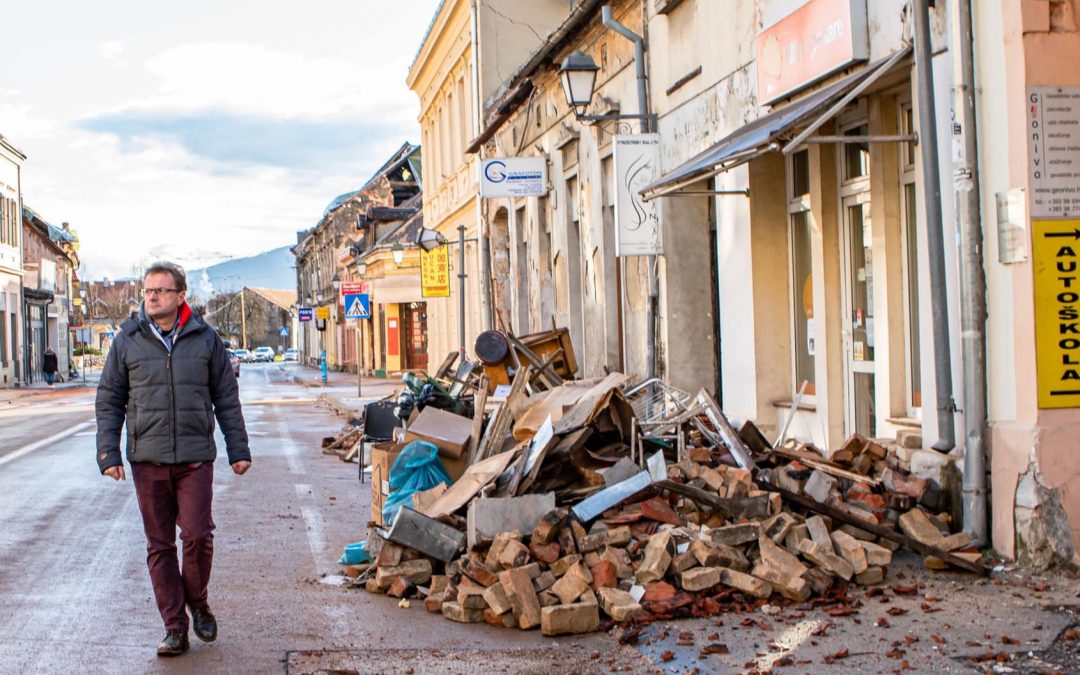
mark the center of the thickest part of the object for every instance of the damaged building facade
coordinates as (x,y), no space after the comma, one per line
(826,279)
(804,275)
(554,259)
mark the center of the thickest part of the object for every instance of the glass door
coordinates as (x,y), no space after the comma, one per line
(858,330)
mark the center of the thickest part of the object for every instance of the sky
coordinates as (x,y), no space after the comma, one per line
(204,130)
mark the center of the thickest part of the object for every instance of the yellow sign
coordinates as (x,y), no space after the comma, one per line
(435,272)
(322,312)
(1056,257)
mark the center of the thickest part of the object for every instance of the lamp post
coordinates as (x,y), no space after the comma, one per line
(429,240)
(322,340)
(361,270)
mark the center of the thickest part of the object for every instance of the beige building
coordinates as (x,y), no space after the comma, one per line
(11,267)
(816,177)
(817,248)
(554,256)
(470,49)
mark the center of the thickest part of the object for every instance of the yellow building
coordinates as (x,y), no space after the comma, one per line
(470,49)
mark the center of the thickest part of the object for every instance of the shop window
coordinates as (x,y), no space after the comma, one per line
(856,155)
(802,295)
(907,126)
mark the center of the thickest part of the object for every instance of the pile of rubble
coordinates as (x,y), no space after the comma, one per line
(575,510)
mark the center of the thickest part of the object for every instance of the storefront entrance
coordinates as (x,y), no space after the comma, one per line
(414,325)
(858,287)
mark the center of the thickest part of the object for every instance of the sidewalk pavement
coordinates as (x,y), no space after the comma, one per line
(38,389)
(342,387)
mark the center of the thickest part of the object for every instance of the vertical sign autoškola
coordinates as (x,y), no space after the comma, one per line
(1056,257)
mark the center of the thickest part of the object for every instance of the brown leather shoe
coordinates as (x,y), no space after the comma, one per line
(175,643)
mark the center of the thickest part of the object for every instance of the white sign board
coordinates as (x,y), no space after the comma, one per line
(1053,138)
(1012,227)
(637,165)
(513,177)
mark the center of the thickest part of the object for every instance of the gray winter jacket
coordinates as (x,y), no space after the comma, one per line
(169,400)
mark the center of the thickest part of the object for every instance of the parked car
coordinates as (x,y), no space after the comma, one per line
(244,355)
(234,361)
(264,354)
(292,354)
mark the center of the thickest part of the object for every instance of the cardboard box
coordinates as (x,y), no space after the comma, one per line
(382,458)
(449,432)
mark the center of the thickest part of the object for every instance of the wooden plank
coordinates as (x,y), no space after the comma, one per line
(479,403)
(826,466)
(749,507)
(884,532)
(502,420)
(553,379)
(447,364)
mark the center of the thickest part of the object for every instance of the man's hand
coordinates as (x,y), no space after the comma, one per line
(241,467)
(116,472)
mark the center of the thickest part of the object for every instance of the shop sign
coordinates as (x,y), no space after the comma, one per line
(809,44)
(435,272)
(637,166)
(1053,137)
(322,313)
(513,177)
(304,314)
(1055,254)
(355,287)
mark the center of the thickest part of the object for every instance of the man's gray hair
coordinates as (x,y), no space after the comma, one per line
(178,274)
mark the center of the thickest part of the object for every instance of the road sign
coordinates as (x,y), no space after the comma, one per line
(358,306)
(304,314)
(284,331)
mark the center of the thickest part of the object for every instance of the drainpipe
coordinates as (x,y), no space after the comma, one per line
(972,282)
(643,110)
(939,299)
(484,248)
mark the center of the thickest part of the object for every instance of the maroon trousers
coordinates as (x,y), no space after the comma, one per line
(171,495)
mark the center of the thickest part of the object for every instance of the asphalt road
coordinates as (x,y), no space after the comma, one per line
(75,592)
(75,596)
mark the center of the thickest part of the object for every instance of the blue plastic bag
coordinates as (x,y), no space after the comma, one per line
(416,469)
(355,554)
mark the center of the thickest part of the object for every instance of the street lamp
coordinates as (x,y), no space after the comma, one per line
(336,282)
(429,240)
(398,253)
(361,269)
(578,72)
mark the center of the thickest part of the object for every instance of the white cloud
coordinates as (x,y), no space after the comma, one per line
(136,187)
(251,79)
(112,51)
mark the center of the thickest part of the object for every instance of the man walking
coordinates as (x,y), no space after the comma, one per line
(167,375)
(49,365)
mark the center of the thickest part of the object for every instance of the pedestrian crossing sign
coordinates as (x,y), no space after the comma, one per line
(357,306)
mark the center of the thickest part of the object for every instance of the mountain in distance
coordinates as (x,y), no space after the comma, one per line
(270,269)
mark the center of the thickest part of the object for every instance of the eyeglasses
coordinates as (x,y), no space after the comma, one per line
(147,292)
